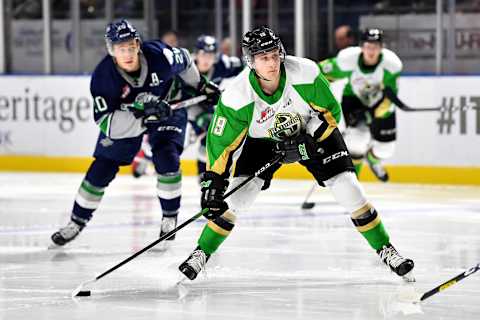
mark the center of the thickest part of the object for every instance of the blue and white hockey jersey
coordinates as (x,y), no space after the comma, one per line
(115,91)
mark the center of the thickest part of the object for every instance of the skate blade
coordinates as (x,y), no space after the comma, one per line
(54,246)
(409,277)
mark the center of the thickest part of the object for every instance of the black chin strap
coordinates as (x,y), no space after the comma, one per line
(259,76)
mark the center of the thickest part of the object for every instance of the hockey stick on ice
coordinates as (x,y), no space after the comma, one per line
(450,282)
(399,103)
(306,204)
(79,290)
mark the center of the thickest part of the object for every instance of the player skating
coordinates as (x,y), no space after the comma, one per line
(215,67)
(281,105)
(130,87)
(369,115)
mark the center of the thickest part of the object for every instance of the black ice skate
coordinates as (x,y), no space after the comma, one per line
(398,264)
(194,263)
(67,233)
(377,168)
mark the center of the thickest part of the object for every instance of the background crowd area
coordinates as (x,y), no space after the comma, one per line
(328,26)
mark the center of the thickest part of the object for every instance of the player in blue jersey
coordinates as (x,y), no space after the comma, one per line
(131,88)
(214,66)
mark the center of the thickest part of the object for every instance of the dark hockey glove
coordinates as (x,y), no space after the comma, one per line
(155,110)
(213,188)
(211,90)
(301,147)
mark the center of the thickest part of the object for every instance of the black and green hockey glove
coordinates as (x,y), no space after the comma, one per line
(299,148)
(213,188)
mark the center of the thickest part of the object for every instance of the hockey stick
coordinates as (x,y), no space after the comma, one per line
(450,282)
(399,103)
(306,204)
(180,104)
(79,292)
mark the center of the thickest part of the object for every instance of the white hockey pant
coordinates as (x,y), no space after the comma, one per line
(359,141)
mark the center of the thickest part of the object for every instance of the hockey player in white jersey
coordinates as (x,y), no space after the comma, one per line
(369,115)
(280,105)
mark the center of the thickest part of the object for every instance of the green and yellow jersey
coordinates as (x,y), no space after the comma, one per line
(303,99)
(366,83)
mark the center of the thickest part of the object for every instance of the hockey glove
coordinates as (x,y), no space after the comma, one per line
(210,89)
(213,188)
(155,110)
(299,148)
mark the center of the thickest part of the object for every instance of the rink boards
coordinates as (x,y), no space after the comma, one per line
(46,124)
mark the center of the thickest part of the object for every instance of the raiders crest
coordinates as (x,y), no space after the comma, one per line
(286,125)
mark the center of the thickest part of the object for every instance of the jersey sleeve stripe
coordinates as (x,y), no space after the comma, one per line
(105,124)
(327,115)
(220,164)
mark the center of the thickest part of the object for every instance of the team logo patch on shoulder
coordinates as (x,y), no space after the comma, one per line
(265,115)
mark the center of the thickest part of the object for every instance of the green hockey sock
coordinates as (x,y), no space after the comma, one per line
(213,234)
(368,223)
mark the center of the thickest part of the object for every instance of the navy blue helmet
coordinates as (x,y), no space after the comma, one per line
(206,43)
(119,31)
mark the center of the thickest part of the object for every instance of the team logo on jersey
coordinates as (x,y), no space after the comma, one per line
(286,125)
(106,142)
(125,91)
(265,115)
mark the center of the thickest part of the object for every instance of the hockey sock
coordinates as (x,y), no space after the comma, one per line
(87,200)
(169,190)
(371,158)
(368,223)
(358,163)
(215,232)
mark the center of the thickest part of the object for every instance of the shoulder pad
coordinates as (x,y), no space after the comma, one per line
(301,69)
(238,92)
(391,61)
(347,59)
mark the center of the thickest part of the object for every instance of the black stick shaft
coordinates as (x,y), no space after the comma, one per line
(399,103)
(312,188)
(195,217)
(450,282)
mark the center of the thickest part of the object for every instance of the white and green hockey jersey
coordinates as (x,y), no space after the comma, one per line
(363,82)
(303,101)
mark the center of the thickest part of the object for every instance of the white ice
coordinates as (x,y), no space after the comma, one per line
(280,262)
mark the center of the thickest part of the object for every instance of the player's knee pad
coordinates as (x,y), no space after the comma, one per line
(383,150)
(166,157)
(347,191)
(246,195)
(169,185)
(357,140)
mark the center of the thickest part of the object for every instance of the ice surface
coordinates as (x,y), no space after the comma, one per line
(280,262)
